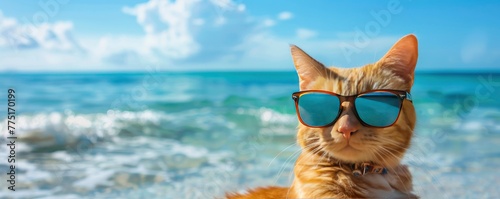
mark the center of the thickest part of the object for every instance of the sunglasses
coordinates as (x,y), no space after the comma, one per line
(376,108)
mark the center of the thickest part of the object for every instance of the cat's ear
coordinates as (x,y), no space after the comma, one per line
(307,67)
(401,59)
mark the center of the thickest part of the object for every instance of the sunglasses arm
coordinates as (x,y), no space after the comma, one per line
(407,96)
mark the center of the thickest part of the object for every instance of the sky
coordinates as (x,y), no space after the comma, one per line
(242,35)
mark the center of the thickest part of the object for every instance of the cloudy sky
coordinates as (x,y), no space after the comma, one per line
(132,35)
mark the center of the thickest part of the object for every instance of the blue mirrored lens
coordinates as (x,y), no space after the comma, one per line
(318,109)
(379,109)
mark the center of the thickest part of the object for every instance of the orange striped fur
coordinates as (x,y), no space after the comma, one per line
(321,170)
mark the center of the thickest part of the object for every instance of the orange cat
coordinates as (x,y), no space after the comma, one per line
(356,152)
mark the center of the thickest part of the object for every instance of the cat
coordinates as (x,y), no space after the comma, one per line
(331,156)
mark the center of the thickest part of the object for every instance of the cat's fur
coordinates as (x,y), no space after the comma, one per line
(322,170)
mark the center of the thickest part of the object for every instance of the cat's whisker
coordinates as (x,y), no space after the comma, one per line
(282,168)
(323,156)
(389,142)
(398,176)
(388,153)
(383,153)
(394,145)
(308,156)
(308,153)
(406,173)
(291,145)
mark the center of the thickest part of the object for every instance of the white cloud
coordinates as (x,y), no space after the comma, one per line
(241,7)
(167,26)
(269,22)
(119,50)
(178,35)
(303,33)
(223,4)
(199,22)
(285,15)
(47,36)
(192,30)
(40,47)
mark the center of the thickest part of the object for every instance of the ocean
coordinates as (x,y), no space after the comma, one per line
(199,134)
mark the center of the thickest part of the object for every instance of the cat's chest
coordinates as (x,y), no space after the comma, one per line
(382,186)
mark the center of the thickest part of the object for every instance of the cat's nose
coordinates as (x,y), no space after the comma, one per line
(348,125)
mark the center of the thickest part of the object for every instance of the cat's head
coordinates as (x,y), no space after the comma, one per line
(348,140)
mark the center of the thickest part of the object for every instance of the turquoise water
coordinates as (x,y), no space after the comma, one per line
(196,135)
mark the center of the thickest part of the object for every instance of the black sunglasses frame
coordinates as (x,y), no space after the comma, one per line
(352,98)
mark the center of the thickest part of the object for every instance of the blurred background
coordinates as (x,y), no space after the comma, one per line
(192,98)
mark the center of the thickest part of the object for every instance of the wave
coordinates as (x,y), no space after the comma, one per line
(56,130)
(145,148)
(59,130)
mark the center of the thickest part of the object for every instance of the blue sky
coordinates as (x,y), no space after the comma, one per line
(133,35)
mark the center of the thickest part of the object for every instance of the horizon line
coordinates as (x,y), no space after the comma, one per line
(433,71)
